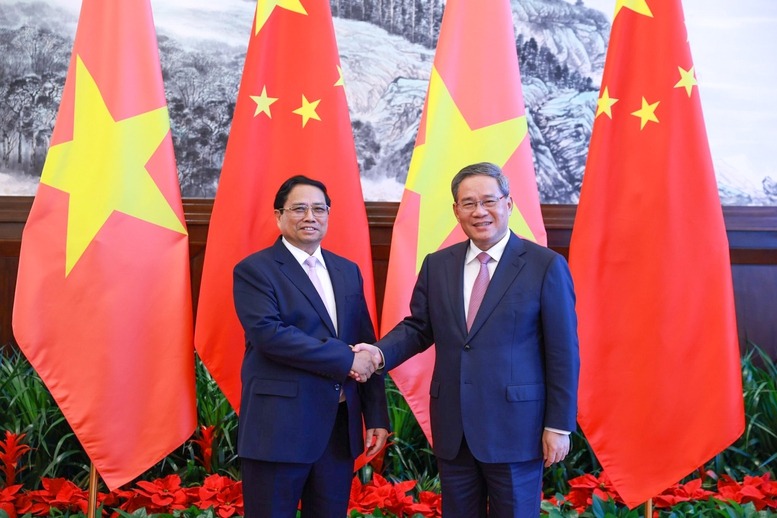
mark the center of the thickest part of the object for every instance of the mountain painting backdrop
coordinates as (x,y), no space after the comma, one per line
(386,49)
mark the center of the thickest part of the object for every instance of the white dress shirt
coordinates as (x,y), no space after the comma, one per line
(323,276)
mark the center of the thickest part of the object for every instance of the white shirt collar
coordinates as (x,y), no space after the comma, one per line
(300,255)
(495,251)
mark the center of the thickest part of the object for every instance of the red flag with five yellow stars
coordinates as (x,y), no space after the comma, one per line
(103,299)
(291,117)
(660,384)
(474,112)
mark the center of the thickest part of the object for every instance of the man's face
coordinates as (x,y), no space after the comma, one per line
(304,231)
(484,226)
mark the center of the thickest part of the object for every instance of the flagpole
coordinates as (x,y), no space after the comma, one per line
(649,508)
(91,512)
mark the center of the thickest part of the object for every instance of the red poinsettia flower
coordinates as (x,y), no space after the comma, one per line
(221,493)
(380,494)
(429,505)
(583,488)
(162,495)
(692,491)
(8,496)
(11,450)
(205,442)
(119,499)
(57,493)
(26,504)
(761,491)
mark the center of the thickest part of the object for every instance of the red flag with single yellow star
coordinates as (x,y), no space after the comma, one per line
(103,299)
(469,116)
(291,117)
(660,384)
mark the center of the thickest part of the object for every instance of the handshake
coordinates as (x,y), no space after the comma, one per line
(366,360)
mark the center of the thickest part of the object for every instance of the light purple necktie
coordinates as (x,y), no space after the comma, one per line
(310,268)
(478,289)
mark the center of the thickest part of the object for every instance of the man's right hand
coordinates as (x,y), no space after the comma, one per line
(375,354)
(363,365)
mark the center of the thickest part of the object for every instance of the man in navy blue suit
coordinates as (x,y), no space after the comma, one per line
(300,425)
(501,311)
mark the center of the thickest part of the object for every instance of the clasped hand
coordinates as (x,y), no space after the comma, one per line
(366,360)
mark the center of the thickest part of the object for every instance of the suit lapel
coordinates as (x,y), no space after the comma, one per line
(508,268)
(453,281)
(299,278)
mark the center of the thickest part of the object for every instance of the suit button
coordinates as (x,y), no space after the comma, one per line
(467,347)
(337,386)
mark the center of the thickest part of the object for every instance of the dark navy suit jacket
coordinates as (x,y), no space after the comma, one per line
(294,364)
(515,372)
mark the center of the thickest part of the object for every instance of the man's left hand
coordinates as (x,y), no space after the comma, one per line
(378,437)
(555,447)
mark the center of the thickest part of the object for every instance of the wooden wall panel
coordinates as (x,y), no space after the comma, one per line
(752,234)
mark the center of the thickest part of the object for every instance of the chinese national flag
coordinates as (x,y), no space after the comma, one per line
(103,299)
(470,116)
(291,117)
(660,385)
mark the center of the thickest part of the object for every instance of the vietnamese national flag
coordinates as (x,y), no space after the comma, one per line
(474,112)
(103,299)
(660,384)
(291,118)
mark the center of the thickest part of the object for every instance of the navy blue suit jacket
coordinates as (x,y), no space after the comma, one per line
(515,372)
(295,364)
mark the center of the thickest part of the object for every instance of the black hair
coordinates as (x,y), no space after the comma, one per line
(283,192)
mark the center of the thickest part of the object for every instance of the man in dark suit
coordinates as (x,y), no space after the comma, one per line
(300,425)
(501,311)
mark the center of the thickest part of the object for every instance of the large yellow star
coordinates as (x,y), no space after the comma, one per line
(103,168)
(638,6)
(449,145)
(263,103)
(646,113)
(687,80)
(307,110)
(604,103)
(264,9)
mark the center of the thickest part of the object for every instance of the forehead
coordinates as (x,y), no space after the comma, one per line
(305,194)
(478,186)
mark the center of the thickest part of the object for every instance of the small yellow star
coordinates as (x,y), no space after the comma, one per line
(687,80)
(646,113)
(308,110)
(340,81)
(263,103)
(638,6)
(604,103)
(264,9)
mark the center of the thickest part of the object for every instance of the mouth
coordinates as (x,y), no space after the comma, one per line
(308,229)
(482,224)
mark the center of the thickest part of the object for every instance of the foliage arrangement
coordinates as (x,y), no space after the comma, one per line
(44,471)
